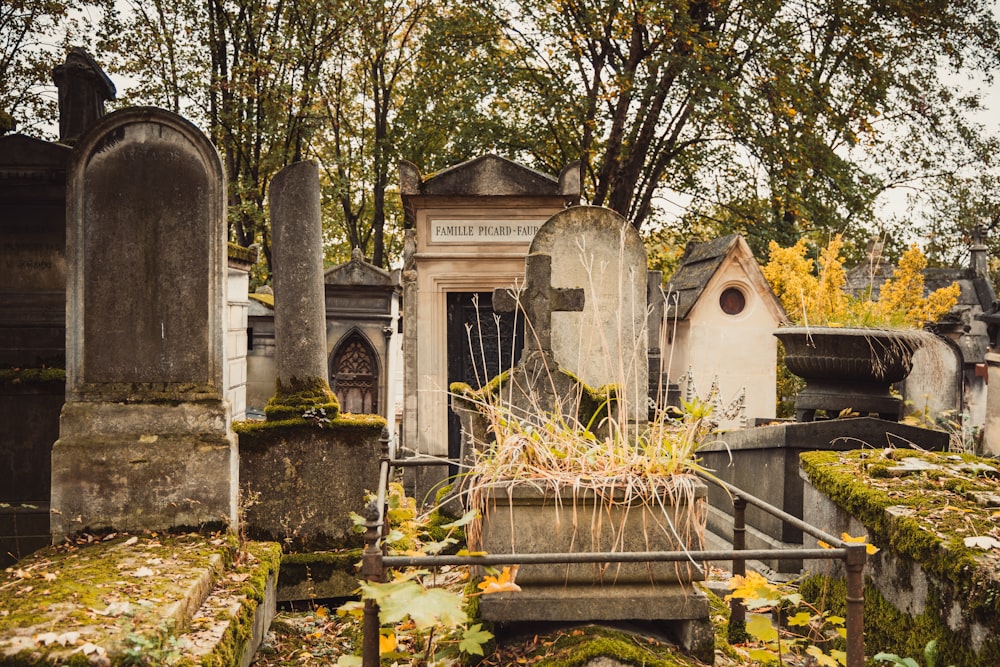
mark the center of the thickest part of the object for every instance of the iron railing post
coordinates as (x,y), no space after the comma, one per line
(737,612)
(385,464)
(855,561)
(372,570)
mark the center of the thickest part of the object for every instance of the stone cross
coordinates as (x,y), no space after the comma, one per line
(538,299)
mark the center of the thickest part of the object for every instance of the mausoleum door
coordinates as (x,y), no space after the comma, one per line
(478,349)
(354,375)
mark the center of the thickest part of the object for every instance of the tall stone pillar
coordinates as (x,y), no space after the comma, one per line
(299,295)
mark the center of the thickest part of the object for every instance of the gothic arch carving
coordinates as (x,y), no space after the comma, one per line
(354,374)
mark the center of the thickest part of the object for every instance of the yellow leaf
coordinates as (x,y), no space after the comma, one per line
(466,552)
(387,642)
(870,549)
(322,612)
(501,582)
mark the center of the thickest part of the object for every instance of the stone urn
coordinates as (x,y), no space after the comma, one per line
(848,368)
(527,517)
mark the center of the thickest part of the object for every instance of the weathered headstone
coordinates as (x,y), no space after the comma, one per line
(145,438)
(584,300)
(299,297)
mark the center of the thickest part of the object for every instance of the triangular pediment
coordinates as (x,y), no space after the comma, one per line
(359,272)
(699,266)
(489,175)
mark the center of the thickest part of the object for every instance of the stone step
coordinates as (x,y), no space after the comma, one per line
(190,596)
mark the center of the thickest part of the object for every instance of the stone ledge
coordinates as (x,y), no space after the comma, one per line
(187,597)
(931,578)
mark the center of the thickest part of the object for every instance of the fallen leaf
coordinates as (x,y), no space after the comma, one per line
(143,572)
(500,583)
(387,642)
(91,649)
(870,549)
(67,638)
(115,609)
(984,542)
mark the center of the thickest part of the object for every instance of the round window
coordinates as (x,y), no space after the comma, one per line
(732,301)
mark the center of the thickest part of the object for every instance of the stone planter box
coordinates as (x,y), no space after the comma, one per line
(521,518)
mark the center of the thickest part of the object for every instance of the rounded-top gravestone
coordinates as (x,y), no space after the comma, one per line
(145,439)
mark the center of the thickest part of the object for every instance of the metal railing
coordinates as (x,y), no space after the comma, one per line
(375,562)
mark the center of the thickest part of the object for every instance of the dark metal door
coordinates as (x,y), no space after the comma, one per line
(479,347)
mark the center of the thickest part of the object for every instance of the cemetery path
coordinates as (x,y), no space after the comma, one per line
(319,637)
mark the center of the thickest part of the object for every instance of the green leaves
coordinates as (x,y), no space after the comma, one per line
(473,640)
(406,598)
(761,628)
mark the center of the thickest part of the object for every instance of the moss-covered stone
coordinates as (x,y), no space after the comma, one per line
(345,422)
(299,396)
(296,568)
(135,596)
(240,254)
(31,375)
(579,646)
(305,479)
(922,518)
(892,631)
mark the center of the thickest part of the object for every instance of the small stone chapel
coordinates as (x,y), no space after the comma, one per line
(718,331)
(467,231)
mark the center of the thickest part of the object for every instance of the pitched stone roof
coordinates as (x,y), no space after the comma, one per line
(700,262)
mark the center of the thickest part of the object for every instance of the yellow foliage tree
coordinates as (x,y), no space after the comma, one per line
(902,302)
(821,300)
(808,298)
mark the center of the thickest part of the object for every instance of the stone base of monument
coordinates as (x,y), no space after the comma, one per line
(764,462)
(833,397)
(169,599)
(680,612)
(303,481)
(523,519)
(318,575)
(130,467)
